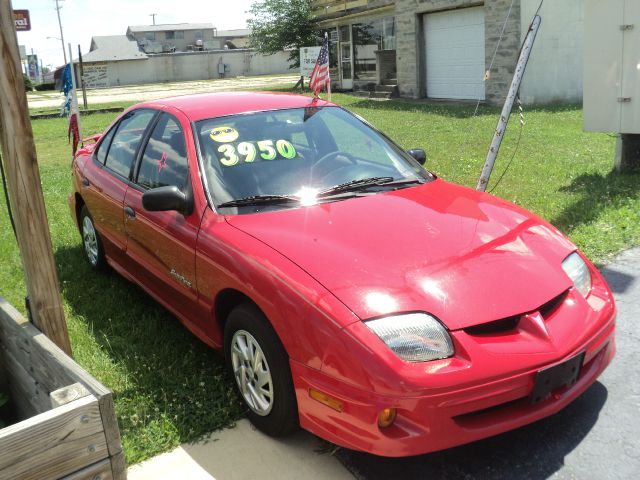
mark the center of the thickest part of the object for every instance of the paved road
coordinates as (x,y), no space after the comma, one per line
(596,437)
(161,90)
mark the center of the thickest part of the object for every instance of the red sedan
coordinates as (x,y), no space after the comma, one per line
(352,292)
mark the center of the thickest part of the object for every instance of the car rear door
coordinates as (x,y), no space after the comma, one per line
(161,245)
(106,178)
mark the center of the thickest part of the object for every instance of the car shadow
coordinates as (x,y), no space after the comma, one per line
(595,193)
(165,381)
(619,282)
(531,452)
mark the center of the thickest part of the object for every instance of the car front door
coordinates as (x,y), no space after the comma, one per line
(106,178)
(162,244)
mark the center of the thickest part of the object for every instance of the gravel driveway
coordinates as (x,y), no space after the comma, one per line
(160,90)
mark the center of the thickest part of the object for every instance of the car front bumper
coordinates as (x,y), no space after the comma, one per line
(457,401)
(436,422)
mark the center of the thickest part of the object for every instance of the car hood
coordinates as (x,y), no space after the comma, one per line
(461,255)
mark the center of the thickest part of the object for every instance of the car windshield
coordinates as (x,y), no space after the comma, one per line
(287,158)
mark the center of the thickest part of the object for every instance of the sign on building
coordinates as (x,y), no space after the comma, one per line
(22,20)
(308,57)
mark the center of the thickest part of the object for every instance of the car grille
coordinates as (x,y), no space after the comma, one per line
(508,324)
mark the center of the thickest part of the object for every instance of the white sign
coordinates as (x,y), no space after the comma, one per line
(308,57)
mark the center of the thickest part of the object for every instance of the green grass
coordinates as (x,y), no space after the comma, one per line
(169,388)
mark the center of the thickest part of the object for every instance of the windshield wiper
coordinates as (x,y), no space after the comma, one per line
(259,200)
(364,183)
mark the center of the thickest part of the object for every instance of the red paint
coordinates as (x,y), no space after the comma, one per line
(465,257)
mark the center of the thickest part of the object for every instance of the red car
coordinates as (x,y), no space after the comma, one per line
(352,292)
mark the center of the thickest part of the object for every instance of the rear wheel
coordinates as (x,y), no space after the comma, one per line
(260,367)
(91,241)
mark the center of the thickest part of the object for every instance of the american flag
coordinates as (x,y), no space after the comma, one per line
(320,75)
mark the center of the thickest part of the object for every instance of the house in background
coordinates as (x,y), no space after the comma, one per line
(174,53)
(174,37)
(440,49)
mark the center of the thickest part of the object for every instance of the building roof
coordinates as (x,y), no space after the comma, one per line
(169,27)
(238,32)
(113,47)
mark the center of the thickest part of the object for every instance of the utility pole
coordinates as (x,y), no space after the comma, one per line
(153,15)
(508,104)
(64,52)
(25,191)
(84,89)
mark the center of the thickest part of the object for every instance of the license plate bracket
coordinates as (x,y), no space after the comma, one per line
(551,378)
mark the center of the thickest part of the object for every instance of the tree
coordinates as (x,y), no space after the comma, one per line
(281,25)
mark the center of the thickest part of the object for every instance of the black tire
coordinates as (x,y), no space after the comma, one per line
(91,241)
(281,417)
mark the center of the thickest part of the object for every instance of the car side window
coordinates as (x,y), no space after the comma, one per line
(127,140)
(103,149)
(164,162)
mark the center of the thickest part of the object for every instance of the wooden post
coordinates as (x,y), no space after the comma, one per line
(25,190)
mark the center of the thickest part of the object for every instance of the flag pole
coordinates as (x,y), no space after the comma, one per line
(326,35)
(74,96)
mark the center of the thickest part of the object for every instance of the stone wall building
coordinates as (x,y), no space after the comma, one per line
(442,49)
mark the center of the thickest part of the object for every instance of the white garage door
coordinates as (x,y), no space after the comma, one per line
(455,53)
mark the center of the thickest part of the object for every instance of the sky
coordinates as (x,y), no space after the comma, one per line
(82,19)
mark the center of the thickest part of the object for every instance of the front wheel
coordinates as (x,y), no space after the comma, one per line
(91,241)
(260,367)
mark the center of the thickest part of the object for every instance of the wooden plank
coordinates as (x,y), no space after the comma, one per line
(52,368)
(97,471)
(55,443)
(68,394)
(118,467)
(25,190)
(28,397)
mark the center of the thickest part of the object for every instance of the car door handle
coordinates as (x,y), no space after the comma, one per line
(129,212)
(85,182)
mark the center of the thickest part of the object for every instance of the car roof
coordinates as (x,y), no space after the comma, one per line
(208,105)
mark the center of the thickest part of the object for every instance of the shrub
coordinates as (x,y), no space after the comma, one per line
(28,86)
(45,86)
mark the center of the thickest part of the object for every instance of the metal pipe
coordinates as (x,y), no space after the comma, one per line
(508,104)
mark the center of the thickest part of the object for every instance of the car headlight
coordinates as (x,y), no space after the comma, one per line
(578,272)
(414,337)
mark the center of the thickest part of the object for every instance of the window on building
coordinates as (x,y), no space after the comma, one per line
(151,36)
(169,35)
(332,33)
(165,158)
(198,34)
(369,37)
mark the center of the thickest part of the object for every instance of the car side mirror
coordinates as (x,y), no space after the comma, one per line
(168,198)
(419,155)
